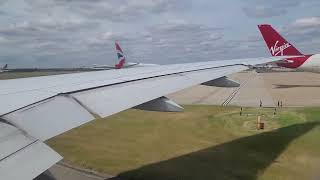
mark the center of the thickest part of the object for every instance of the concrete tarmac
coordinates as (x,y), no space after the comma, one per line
(294,89)
(61,171)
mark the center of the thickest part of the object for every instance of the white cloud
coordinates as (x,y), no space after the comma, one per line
(77,32)
(107,35)
(307,22)
(262,11)
(270,8)
(3,39)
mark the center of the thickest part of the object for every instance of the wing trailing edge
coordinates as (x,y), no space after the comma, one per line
(22,156)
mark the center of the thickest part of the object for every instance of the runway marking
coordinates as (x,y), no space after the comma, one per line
(206,96)
(86,173)
(234,93)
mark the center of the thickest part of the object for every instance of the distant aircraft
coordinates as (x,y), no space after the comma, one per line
(122,63)
(4,68)
(278,46)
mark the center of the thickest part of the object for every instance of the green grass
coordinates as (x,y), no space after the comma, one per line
(204,142)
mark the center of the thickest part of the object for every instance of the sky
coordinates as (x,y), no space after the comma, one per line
(76,33)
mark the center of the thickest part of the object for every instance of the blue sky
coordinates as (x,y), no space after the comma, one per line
(73,33)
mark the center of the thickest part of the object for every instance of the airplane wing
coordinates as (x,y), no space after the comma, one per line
(33,110)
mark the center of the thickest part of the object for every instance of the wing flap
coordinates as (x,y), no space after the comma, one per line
(127,95)
(21,156)
(11,140)
(51,117)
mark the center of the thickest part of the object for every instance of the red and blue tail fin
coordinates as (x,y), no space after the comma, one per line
(277,45)
(121,57)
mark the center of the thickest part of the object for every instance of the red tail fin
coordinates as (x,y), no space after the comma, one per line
(277,45)
(121,58)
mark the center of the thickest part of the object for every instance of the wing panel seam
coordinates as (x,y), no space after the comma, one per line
(19,150)
(69,96)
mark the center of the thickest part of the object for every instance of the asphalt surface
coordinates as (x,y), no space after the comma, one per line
(62,171)
(294,89)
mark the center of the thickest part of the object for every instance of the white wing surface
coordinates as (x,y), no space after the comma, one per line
(33,110)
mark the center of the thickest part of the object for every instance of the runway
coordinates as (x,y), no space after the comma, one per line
(61,171)
(294,89)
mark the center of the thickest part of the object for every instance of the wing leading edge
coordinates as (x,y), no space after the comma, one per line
(44,107)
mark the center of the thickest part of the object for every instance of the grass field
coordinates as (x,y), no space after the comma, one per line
(204,142)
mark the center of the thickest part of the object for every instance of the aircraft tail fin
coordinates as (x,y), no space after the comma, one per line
(121,57)
(277,45)
(5,66)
